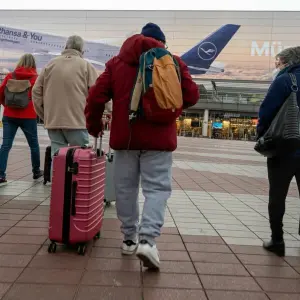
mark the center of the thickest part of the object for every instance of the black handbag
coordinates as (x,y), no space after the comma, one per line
(283,135)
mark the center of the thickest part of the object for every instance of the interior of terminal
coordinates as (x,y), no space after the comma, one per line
(218,125)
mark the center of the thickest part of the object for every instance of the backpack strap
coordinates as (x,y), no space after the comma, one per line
(142,70)
(294,86)
(177,67)
(137,91)
(13,75)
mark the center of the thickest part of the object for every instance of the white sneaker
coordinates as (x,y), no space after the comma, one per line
(129,247)
(148,255)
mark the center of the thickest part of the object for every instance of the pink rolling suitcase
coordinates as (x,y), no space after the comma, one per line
(77,196)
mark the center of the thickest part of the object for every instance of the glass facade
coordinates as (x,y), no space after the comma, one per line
(221,125)
(249,54)
(190,124)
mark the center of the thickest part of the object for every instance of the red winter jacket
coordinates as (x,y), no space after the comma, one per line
(28,112)
(116,83)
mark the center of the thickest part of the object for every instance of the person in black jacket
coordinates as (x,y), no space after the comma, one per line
(281,169)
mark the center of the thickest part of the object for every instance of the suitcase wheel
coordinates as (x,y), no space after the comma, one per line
(97,236)
(81,249)
(107,203)
(52,248)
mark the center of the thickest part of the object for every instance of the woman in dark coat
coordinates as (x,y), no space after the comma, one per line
(281,169)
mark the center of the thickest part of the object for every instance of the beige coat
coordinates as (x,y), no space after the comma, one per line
(60,92)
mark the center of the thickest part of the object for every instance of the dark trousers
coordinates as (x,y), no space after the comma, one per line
(280,172)
(10,127)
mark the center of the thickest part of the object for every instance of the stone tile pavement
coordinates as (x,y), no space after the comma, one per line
(210,247)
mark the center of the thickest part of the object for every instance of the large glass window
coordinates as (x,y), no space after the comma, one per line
(231,126)
(190,124)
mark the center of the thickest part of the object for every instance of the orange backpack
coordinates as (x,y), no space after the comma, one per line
(157,94)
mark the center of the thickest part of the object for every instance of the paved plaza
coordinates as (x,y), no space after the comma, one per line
(210,248)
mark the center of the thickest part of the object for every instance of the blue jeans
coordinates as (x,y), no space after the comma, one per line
(10,127)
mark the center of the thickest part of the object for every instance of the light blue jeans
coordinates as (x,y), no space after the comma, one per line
(154,168)
(64,137)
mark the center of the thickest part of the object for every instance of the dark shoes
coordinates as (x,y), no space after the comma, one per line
(37,175)
(3,181)
(277,247)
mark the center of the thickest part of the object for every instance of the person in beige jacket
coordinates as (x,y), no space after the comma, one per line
(59,95)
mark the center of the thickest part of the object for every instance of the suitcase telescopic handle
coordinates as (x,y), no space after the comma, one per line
(100,145)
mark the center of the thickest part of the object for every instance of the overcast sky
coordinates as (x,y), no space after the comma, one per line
(286,5)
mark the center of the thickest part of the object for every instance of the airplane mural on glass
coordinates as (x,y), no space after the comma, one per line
(199,59)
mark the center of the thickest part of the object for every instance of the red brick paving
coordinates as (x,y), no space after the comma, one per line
(199,267)
(194,267)
(198,158)
(224,183)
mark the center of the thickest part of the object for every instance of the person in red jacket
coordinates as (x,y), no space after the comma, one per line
(143,149)
(26,119)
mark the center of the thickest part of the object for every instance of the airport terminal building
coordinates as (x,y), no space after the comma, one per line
(230,53)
